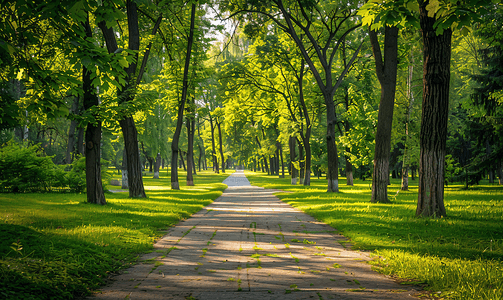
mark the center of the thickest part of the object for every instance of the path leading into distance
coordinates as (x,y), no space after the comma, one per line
(248,244)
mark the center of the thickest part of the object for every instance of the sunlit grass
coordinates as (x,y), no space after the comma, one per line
(460,255)
(56,246)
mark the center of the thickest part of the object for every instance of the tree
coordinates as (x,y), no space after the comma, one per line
(95,192)
(318,28)
(386,70)
(127,86)
(174,144)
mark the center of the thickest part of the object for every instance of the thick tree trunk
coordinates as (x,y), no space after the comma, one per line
(332,157)
(134,168)
(221,146)
(175,185)
(436,77)
(293,170)
(386,73)
(157,165)
(94,186)
(190,150)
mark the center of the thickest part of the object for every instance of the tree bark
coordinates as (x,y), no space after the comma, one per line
(213,148)
(175,185)
(301,164)
(436,77)
(293,170)
(332,157)
(190,150)
(221,145)
(94,186)
(386,73)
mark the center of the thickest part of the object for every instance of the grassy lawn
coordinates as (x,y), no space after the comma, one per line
(459,256)
(56,246)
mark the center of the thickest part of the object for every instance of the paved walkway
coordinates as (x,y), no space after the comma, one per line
(248,244)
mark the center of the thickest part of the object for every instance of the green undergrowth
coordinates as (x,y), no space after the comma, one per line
(56,246)
(459,256)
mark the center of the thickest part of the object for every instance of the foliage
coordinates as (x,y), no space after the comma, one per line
(25,169)
(76,177)
(28,169)
(460,255)
(47,252)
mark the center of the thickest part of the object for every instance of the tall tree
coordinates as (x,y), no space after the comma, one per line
(95,192)
(176,136)
(127,89)
(386,70)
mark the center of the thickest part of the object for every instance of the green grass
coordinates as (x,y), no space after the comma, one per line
(56,246)
(460,255)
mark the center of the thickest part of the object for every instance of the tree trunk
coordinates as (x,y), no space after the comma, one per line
(221,146)
(182,161)
(499,168)
(410,96)
(126,94)
(134,168)
(213,148)
(436,77)
(189,122)
(94,186)
(150,164)
(201,148)
(301,164)
(157,165)
(332,157)
(175,185)
(349,171)
(71,132)
(386,73)
(293,170)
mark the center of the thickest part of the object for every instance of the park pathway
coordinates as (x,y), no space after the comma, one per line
(248,244)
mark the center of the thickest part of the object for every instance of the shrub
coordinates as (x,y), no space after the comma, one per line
(25,169)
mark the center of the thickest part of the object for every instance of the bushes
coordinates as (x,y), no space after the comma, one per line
(27,169)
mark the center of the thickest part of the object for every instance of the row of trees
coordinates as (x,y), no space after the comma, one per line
(306,74)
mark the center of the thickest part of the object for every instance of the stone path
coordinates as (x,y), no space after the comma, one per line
(248,244)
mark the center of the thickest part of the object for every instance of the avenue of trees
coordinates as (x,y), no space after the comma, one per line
(409,89)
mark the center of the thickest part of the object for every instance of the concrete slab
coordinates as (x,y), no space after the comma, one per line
(248,244)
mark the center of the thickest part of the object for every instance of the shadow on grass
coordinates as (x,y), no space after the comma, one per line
(473,229)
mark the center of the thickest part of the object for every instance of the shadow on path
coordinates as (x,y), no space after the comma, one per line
(248,244)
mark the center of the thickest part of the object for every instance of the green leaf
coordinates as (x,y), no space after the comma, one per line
(432,8)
